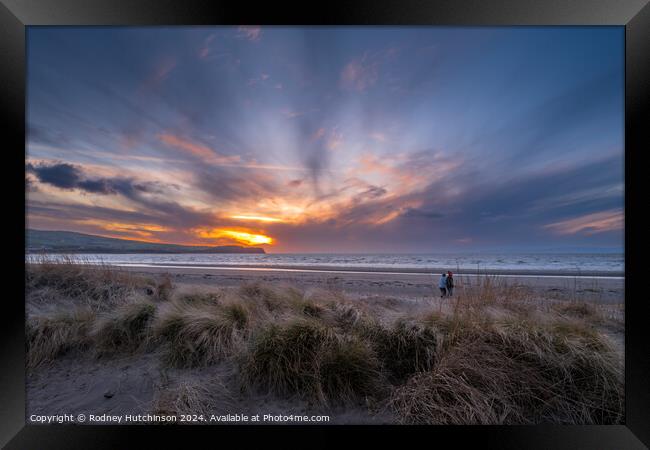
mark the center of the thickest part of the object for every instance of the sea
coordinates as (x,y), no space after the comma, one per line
(570,264)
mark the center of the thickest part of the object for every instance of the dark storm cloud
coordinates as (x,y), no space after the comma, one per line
(64,176)
(68,176)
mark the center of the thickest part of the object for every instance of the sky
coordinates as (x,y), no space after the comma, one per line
(329,139)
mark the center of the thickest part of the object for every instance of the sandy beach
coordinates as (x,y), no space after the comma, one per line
(407,286)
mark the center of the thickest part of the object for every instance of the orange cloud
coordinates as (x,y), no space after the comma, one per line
(130,231)
(590,224)
(404,172)
(199,150)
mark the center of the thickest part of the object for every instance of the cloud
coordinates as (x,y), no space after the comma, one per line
(158,110)
(379,137)
(313,149)
(150,197)
(67,176)
(372,192)
(599,222)
(360,74)
(162,70)
(252,33)
(196,149)
(42,135)
(241,185)
(408,172)
(165,69)
(205,49)
(63,176)
(421,214)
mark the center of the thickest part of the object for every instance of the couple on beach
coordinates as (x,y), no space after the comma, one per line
(446,284)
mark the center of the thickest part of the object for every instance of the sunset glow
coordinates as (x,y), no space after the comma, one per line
(326,139)
(256,218)
(240,237)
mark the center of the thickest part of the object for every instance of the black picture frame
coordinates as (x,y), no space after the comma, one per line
(634,15)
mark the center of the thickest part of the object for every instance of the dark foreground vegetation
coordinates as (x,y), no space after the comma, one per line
(492,356)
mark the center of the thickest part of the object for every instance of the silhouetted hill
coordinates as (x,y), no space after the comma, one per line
(71,242)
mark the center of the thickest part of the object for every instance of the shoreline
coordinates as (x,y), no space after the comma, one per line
(411,286)
(363,270)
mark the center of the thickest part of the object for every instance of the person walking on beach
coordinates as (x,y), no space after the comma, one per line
(442,284)
(450,284)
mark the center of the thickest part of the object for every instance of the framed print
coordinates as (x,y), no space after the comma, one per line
(396,220)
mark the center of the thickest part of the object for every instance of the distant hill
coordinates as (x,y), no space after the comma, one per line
(39,241)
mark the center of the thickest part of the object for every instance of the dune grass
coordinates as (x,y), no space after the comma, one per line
(350,372)
(51,336)
(492,357)
(309,359)
(96,286)
(404,348)
(284,358)
(198,334)
(517,375)
(124,329)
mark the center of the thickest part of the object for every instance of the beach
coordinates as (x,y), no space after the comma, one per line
(402,284)
(117,359)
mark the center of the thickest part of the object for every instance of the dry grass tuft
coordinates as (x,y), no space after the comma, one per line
(306,307)
(49,337)
(199,334)
(517,375)
(95,286)
(580,310)
(350,371)
(404,348)
(196,298)
(284,358)
(308,359)
(262,294)
(125,329)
